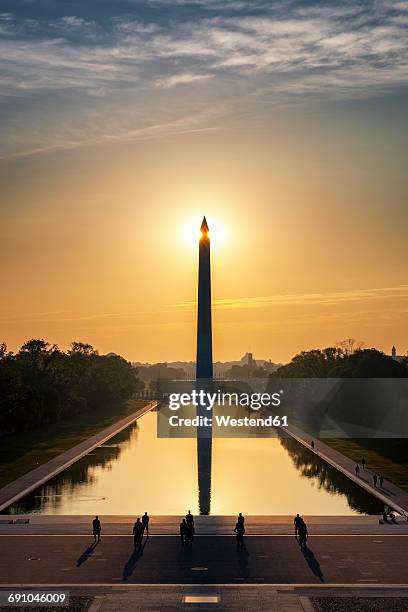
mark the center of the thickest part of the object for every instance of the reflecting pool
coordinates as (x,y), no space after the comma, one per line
(136,471)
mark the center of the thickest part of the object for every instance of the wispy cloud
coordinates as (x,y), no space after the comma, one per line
(188,124)
(307,299)
(182,79)
(274,50)
(311,42)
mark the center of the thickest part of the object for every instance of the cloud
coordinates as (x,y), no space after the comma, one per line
(72,22)
(7,25)
(183,78)
(307,299)
(105,132)
(273,51)
(316,44)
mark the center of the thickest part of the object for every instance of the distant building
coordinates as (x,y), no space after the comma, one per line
(248,359)
(397,357)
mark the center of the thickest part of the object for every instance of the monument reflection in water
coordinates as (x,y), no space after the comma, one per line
(204,368)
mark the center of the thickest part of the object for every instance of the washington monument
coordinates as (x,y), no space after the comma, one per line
(204,367)
(204,364)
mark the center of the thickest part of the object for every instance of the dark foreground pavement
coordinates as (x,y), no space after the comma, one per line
(362,560)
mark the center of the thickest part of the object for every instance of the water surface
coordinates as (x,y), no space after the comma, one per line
(136,471)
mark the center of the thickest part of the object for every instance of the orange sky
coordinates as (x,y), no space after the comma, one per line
(95,248)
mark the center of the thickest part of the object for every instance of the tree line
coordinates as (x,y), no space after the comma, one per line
(347,360)
(41,384)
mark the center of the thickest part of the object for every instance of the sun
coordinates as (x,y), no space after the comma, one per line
(191,233)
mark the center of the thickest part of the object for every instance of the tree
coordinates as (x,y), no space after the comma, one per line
(82,348)
(346,361)
(42,384)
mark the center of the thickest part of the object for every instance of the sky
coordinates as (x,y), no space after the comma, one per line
(123,123)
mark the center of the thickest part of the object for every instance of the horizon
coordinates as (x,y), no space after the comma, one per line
(359,345)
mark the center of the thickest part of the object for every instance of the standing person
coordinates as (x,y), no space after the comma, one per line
(241,519)
(303,534)
(363,462)
(137,533)
(357,469)
(145,523)
(381,481)
(297,520)
(183,531)
(240,530)
(189,537)
(96,528)
(375,480)
(189,518)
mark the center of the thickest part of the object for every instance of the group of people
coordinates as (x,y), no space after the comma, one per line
(139,528)
(187,530)
(301,533)
(375,477)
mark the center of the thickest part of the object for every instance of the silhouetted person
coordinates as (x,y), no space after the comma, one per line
(183,531)
(240,530)
(189,537)
(297,520)
(303,534)
(375,480)
(96,528)
(357,469)
(381,481)
(363,462)
(145,523)
(241,519)
(137,533)
(189,518)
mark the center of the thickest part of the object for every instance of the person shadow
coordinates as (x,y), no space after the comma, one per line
(243,562)
(133,561)
(313,563)
(86,554)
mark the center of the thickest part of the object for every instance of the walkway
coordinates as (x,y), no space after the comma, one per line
(33,479)
(42,525)
(389,493)
(64,560)
(192,598)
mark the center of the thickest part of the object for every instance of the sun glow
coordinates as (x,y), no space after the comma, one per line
(191,232)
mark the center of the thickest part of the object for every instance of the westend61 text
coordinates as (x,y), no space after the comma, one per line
(227,421)
(209,400)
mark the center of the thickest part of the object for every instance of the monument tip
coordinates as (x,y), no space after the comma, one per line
(204,226)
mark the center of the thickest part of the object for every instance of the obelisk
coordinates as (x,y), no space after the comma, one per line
(204,368)
(204,365)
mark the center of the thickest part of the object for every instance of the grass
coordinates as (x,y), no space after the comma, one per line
(394,471)
(386,457)
(20,453)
